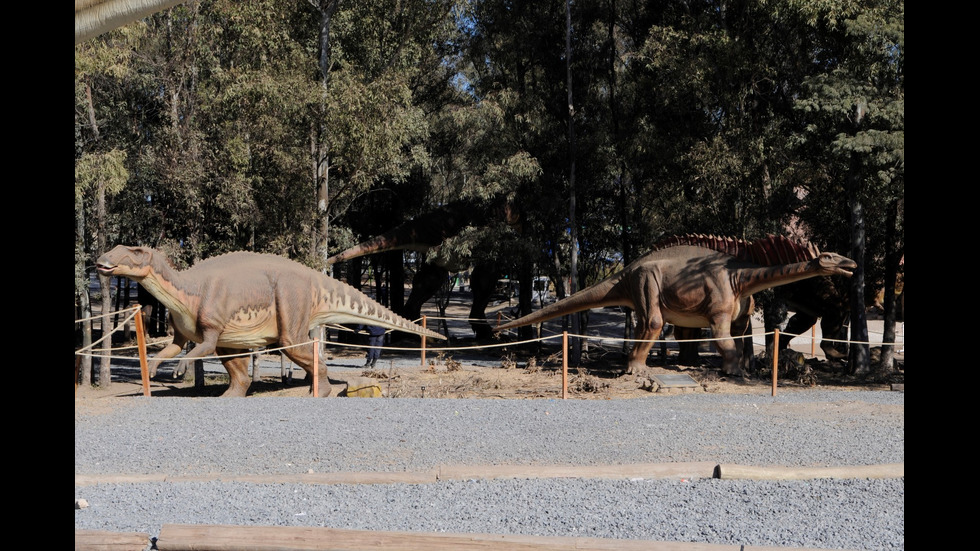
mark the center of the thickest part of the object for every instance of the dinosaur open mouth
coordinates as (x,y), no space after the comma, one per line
(104,269)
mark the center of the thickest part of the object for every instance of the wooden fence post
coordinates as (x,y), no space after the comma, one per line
(775,359)
(423,340)
(316,367)
(564,365)
(141,346)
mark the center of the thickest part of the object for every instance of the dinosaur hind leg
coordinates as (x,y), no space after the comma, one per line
(303,357)
(648,330)
(237,367)
(735,358)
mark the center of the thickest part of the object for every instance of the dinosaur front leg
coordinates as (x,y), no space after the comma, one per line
(237,367)
(303,356)
(725,345)
(742,333)
(206,347)
(721,331)
(168,351)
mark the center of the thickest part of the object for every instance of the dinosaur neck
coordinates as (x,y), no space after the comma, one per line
(749,281)
(420,234)
(170,288)
(380,243)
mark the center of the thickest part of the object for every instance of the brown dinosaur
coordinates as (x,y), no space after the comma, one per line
(243,300)
(697,281)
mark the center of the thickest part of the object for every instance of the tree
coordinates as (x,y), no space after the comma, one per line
(855,124)
(100,173)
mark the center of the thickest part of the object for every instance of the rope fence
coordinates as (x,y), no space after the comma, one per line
(141,345)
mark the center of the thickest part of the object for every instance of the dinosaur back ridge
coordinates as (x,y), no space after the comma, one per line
(771,250)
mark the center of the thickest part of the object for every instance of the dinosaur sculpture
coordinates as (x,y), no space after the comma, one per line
(243,300)
(697,281)
(811,300)
(430,230)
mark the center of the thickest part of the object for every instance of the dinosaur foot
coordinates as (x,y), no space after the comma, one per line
(234,392)
(833,354)
(639,370)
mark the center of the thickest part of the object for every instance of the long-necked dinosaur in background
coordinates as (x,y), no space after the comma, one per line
(430,230)
(243,300)
(810,300)
(697,281)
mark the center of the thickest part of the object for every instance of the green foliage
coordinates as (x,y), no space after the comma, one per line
(736,119)
(106,169)
(854,126)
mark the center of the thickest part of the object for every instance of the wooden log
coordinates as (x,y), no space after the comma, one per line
(748,472)
(202,537)
(101,540)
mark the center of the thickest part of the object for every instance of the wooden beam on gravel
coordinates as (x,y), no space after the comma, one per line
(101,540)
(205,537)
(748,472)
(701,469)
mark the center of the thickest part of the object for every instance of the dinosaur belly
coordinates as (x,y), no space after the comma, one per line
(250,329)
(685,319)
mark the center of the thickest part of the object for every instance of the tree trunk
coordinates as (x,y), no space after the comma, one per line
(860,350)
(396,265)
(105,363)
(573,275)
(105,368)
(81,291)
(526,281)
(482,282)
(893,258)
(321,153)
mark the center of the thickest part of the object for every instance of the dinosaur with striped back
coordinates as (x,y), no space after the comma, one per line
(696,281)
(244,300)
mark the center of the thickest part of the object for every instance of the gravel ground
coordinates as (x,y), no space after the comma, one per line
(216,440)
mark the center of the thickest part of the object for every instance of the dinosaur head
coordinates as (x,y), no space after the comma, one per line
(132,262)
(833,264)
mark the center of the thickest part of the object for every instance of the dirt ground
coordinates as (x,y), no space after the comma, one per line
(446,377)
(522,371)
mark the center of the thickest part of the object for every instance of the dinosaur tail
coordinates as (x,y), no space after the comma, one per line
(604,293)
(347,305)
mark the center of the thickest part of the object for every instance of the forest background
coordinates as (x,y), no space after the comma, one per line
(301,128)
